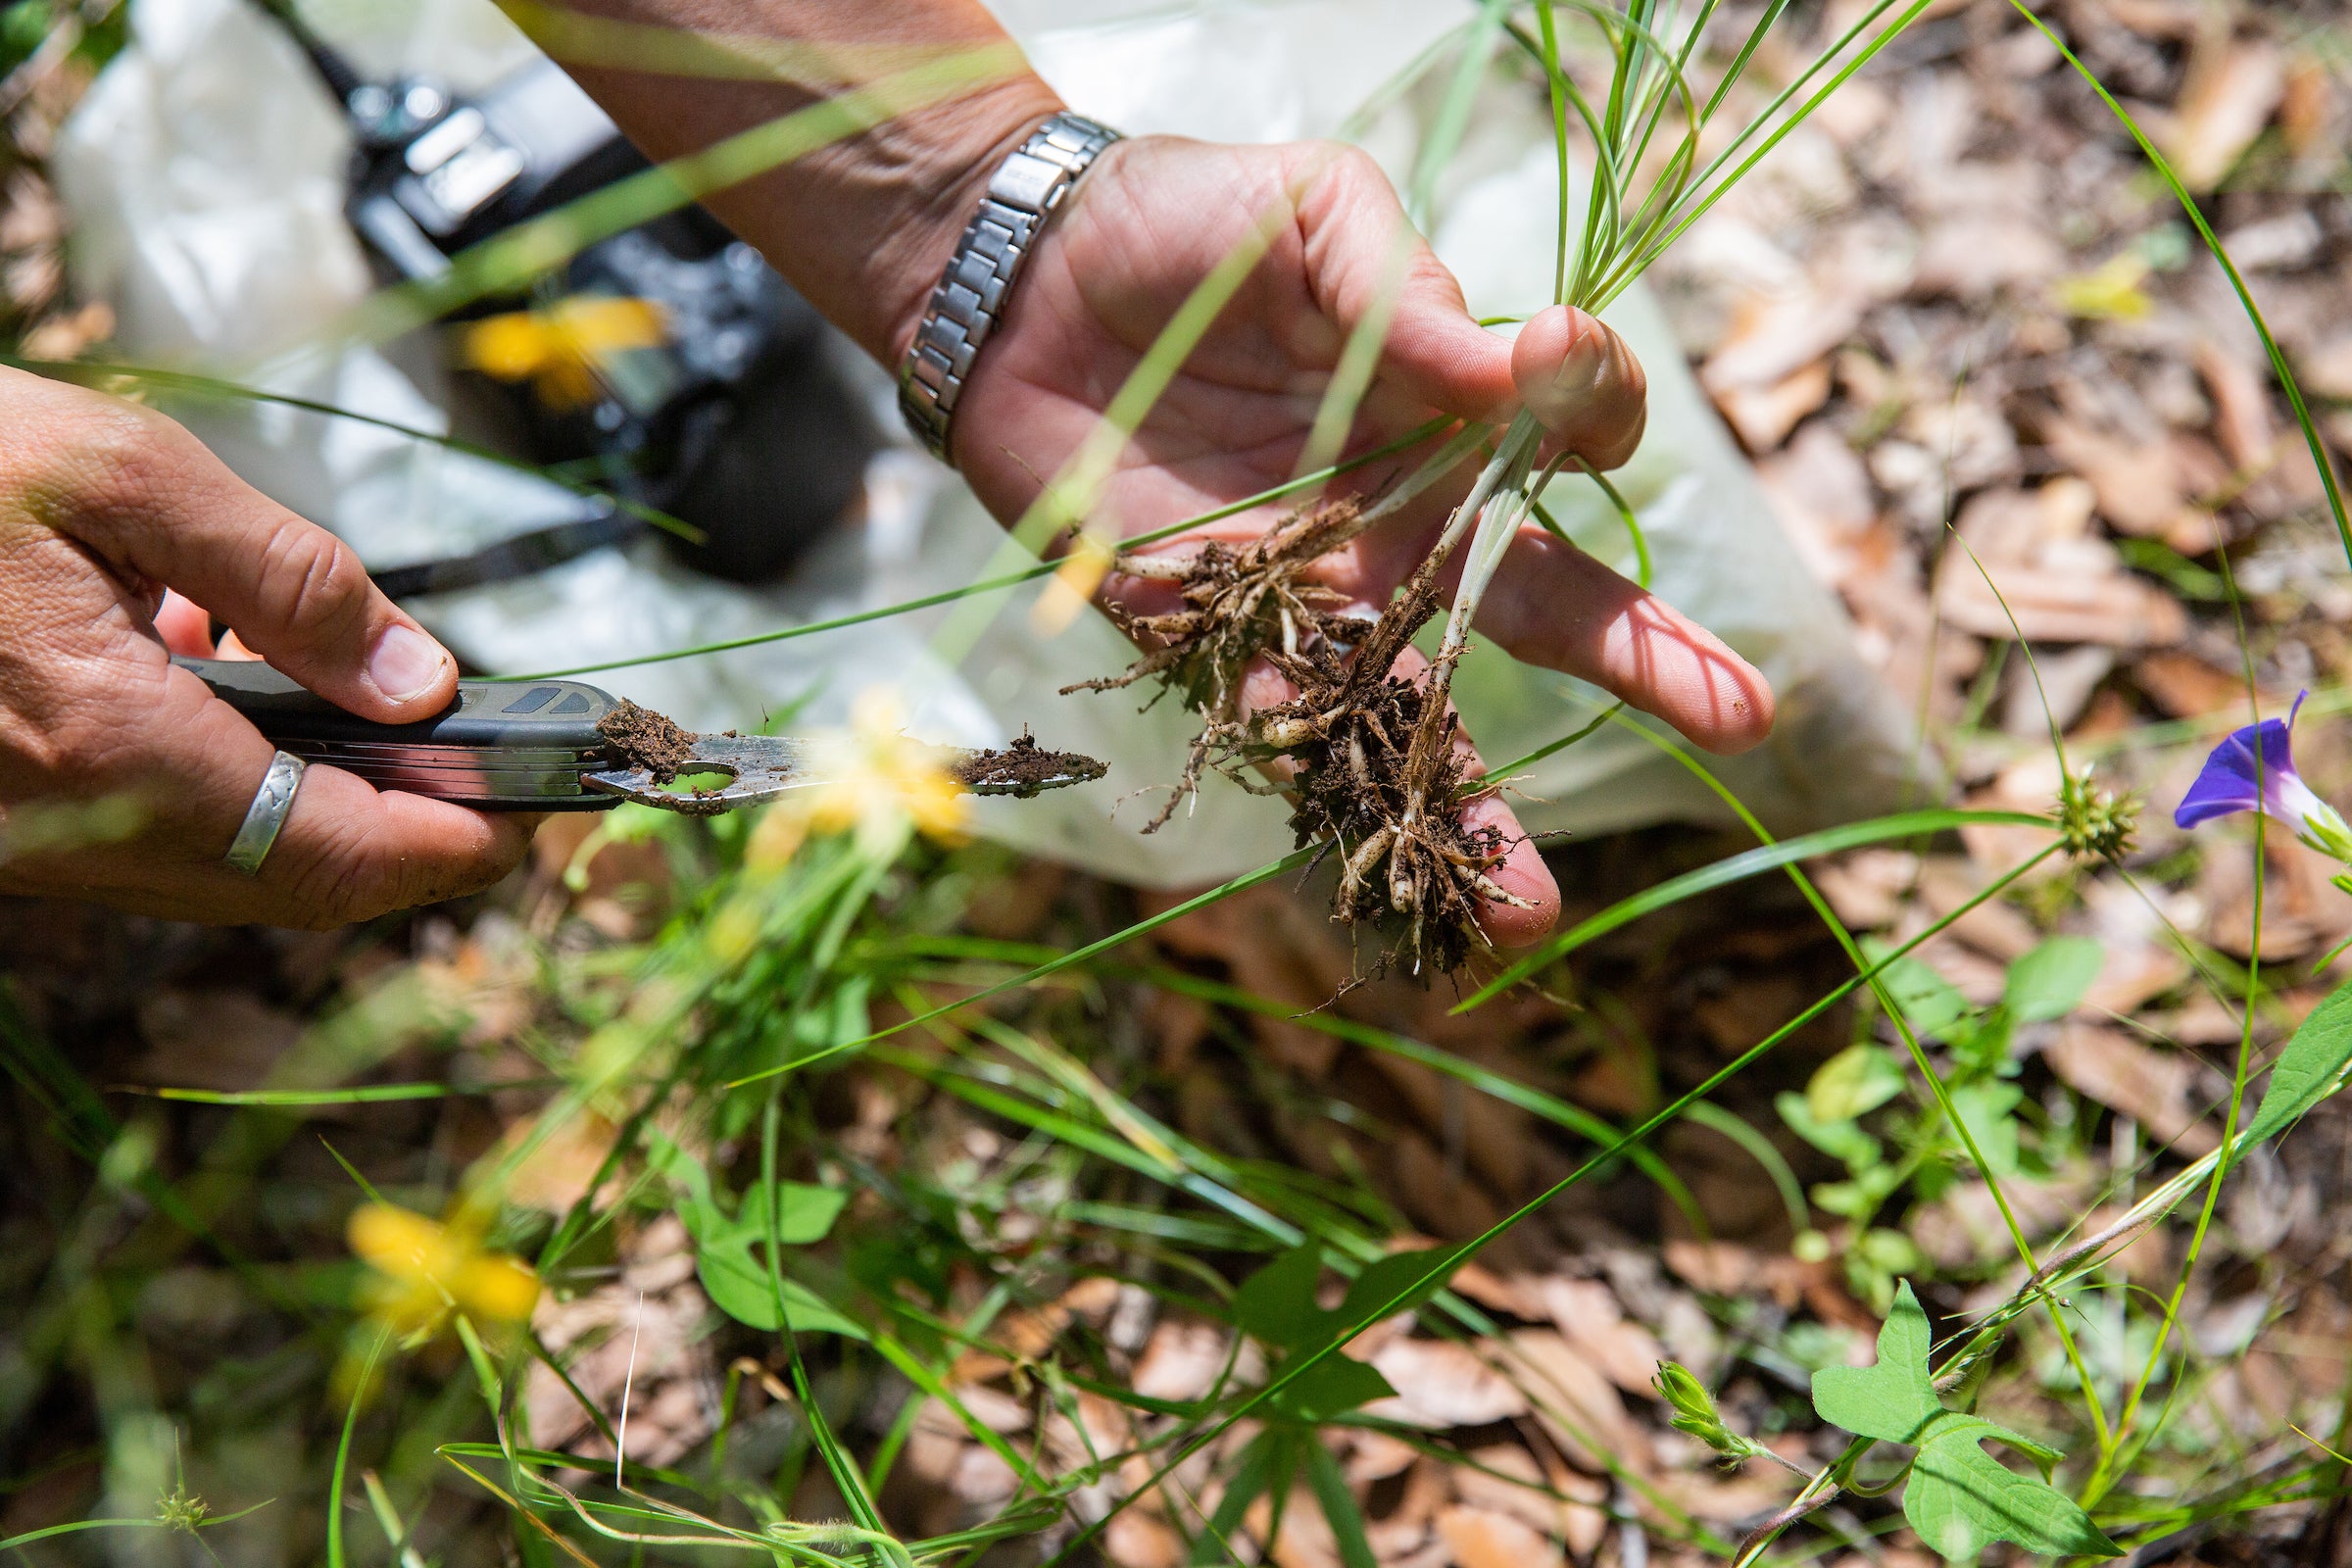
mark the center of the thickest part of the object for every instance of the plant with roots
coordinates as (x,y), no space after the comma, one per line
(1380,773)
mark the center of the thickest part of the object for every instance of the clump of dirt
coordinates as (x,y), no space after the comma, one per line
(1382,782)
(1238,604)
(647,739)
(1023,768)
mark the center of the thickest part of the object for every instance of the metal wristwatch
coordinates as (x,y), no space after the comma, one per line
(970,297)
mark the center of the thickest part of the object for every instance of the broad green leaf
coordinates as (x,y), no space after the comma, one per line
(666,1159)
(731,1257)
(1893,1399)
(737,1284)
(1276,1305)
(1888,1250)
(1961,1500)
(804,1213)
(1853,1083)
(1957,1496)
(1839,1140)
(1932,1003)
(1330,1388)
(2049,981)
(1397,1283)
(1985,1110)
(2307,1069)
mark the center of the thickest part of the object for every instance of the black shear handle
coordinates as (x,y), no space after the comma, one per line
(502,744)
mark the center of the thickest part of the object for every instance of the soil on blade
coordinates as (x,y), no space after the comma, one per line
(1023,768)
(647,739)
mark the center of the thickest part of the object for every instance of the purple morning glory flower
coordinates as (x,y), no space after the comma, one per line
(2254,770)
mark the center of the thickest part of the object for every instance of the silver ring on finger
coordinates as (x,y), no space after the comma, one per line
(271,803)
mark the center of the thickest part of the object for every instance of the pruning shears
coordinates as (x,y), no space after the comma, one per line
(537,746)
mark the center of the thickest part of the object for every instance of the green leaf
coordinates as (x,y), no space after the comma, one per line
(1399,1283)
(1329,1390)
(1841,1140)
(1961,1500)
(1985,1108)
(731,1260)
(804,1213)
(1957,1496)
(1252,1473)
(1893,1399)
(1276,1305)
(2050,981)
(1932,1003)
(1853,1083)
(1347,1520)
(2307,1069)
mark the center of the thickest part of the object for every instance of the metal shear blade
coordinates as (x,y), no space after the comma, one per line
(761,767)
(757,769)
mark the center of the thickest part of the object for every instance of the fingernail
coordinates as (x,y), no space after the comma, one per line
(1581,366)
(405,663)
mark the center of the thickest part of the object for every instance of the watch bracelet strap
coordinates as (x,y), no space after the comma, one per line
(1023,193)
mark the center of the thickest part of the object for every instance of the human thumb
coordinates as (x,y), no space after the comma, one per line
(170,511)
(1579,379)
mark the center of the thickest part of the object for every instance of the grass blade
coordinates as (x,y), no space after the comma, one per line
(1738,868)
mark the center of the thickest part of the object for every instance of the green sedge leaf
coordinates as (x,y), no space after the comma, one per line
(1347,1520)
(1252,1474)
(2050,981)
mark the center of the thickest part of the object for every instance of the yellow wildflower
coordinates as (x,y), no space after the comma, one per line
(2108,292)
(561,350)
(879,784)
(425,1270)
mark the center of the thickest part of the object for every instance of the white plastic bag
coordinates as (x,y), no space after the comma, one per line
(203,172)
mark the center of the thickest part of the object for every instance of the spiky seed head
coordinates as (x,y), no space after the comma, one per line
(180,1510)
(2094,823)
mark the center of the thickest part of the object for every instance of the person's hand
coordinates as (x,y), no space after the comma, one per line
(103,507)
(1141,231)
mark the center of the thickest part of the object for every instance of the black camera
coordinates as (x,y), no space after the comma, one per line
(716,399)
